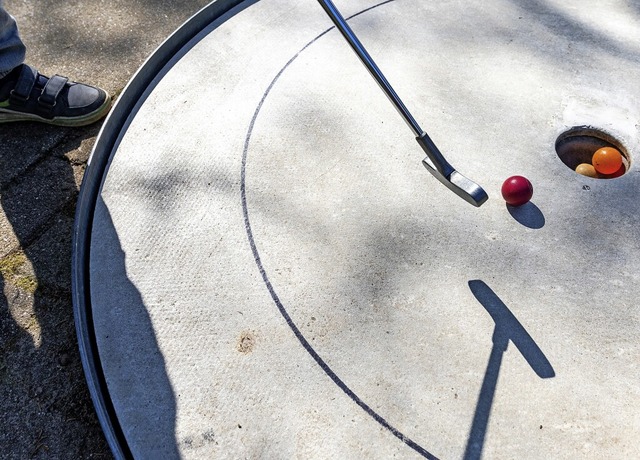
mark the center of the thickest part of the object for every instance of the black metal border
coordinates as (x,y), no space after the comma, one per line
(114,127)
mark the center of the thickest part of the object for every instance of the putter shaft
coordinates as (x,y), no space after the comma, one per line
(370,64)
(435,162)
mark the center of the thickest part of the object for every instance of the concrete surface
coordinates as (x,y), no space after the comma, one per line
(307,290)
(46,410)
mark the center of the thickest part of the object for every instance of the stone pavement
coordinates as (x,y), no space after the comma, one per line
(45,405)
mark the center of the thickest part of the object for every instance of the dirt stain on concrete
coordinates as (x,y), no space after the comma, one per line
(246,342)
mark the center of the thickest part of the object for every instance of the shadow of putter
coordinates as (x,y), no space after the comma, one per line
(507,328)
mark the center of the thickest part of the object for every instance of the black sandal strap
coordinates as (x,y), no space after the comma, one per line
(51,91)
(27,79)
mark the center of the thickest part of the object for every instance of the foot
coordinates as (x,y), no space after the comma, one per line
(26,95)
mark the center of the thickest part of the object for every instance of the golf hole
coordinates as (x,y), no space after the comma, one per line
(576,146)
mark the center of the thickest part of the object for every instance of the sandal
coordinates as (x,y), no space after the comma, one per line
(26,95)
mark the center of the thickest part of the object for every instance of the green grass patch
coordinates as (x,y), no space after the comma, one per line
(14,270)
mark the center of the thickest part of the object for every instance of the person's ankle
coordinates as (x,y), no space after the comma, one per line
(9,75)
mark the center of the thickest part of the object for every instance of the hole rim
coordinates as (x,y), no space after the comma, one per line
(570,147)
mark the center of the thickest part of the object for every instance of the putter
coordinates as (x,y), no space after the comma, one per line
(435,162)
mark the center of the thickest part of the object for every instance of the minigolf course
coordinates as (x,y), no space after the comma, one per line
(264,268)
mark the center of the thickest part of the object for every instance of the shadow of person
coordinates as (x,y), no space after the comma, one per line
(43,397)
(129,361)
(507,329)
(47,410)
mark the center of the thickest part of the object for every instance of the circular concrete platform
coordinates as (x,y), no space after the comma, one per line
(264,269)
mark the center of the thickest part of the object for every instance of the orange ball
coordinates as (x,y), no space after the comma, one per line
(607,160)
(618,173)
(586,170)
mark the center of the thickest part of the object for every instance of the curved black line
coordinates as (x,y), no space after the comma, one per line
(283,311)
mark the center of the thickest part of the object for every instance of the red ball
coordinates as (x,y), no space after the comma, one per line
(517,190)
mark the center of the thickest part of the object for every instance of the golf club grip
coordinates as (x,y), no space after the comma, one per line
(370,64)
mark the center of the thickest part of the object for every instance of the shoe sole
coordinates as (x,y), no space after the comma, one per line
(10,116)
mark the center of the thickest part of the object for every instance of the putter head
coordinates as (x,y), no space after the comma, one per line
(437,165)
(462,186)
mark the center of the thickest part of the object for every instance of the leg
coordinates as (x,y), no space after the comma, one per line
(27,95)
(12,50)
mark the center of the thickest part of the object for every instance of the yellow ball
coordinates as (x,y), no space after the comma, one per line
(586,170)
